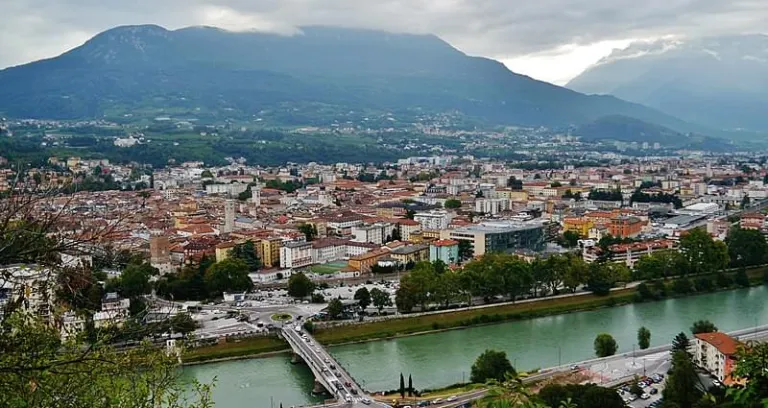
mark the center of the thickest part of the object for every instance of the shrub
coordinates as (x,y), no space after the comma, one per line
(704,284)
(723,280)
(682,286)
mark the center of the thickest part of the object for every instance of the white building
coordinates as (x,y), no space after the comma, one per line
(270,275)
(492,206)
(434,220)
(374,233)
(296,255)
(29,286)
(229,189)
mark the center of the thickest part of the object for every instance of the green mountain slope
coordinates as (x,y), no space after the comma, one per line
(207,70)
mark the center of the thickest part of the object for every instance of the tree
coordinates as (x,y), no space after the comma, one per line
(491,365)
(229,275)
(363,297)
(38,369)
(335,308)
(703,326)
(571,239)
(586,395)
(681,343)
(752,366)
(247,253)
(410,386)
(380,299)
(643,338)
(452,204)
(465,250)
(183,323)
(402,386)
(635,389)
(702,253)
(605,345)
(309,231)
(300,286)
(599,279)
(746,247)
(682,382)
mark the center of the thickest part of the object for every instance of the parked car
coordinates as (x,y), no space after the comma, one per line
(452,398)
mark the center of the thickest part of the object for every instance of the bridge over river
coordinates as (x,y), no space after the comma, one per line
(329,375)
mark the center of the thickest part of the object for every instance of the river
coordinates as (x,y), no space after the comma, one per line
(445,358)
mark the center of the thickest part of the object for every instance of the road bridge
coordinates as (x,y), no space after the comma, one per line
(329,375)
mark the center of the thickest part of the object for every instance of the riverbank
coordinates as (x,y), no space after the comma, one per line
(449,320)
(249,347)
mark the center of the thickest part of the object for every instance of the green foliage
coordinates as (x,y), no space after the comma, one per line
(335,308)
(229,275)
(380,299)
(134,280)
(703,326)
(643,338)
(465,250)
(452,204)
(182,323)
(746,247)
(491,365)
(317,298)
(247,253)
(587,395)
(605,195)
(702,253)
(682,285)
(605,345)
(635,389)
(363,297)
(681,343)
(309,231)
(682,386)
(37,369)
(300,286)
(741,278)
(704,284)
(753,366)
(570,238)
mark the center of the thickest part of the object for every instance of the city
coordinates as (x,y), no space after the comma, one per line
(351,204)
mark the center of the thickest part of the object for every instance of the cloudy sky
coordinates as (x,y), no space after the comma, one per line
(552,40)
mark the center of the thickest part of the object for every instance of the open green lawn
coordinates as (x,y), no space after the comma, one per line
(327,269)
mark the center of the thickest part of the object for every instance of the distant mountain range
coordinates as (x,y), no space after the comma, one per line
(148,69)
(720,82)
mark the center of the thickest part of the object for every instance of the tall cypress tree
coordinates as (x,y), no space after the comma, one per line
(402,386)
(410,386)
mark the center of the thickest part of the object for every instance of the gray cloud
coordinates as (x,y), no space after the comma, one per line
(495,28)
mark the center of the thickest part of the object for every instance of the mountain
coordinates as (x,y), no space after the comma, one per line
(626,129)
(718,82)
(630,130)
(196,71)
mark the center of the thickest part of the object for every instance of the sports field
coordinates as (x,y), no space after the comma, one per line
(329,268)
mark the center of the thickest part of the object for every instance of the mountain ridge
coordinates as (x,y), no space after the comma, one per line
(234,73)
(720,82)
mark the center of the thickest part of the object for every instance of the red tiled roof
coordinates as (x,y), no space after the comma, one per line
(445,242)
(721,341)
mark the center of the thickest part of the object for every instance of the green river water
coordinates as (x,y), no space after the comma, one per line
(444,358)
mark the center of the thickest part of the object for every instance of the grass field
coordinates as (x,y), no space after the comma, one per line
(327,269)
